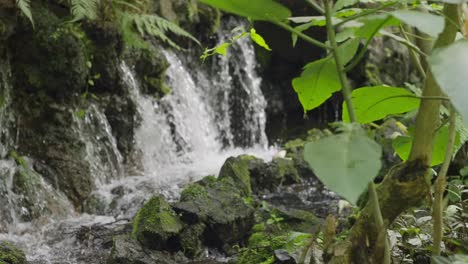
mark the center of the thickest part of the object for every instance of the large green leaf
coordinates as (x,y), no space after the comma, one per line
(402,145)
(449,66)
(377,102)
(268,10)
(345,162)
(317,83)
(428,23)
(348,49)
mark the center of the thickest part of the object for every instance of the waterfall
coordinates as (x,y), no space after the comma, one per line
(101,147)
(214,111)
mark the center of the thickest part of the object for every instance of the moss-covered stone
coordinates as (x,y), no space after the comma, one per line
(237,168)
(126,250)
(191,240)
(227,218)
(193,191)
(9,254)
(50,58)
(157,226)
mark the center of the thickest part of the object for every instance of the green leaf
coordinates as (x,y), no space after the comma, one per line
(428,23)
(372,24)
(377,102)
(343,3)
(317,83)
(25,7)
(344,35)
(346,162)
(449,66)
(348,49)
(267,10)
(402,145)
(258,39)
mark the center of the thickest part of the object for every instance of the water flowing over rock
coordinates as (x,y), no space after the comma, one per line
(109,149)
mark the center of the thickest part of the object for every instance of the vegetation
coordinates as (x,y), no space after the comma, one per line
(348,161)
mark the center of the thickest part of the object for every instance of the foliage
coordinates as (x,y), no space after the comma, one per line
(25,7)
(130,16)
(350,153)
(347,162)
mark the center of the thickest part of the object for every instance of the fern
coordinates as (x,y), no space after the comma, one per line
(158,27)
(25,7)
(81,9)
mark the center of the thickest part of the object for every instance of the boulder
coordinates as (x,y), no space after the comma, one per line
(269,176)
(129,251)
(9,254)
(221,207)
(237,168)
(157,226)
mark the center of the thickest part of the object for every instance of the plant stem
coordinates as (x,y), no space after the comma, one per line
(364,13)
(316,6)
(428,118)
(414,57)
(346,90)
(440,185)
(302,35)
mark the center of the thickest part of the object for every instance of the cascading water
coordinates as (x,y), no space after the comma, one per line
(211,114)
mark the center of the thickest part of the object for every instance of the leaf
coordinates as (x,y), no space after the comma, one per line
(258,39)
(372,24)
(348,49)
(377,102)
(343,3)
(317,83)
(267,10)
(344,35)
(81,9)
(25,7)
(402,145)
(449,66)
(426,22)
(346,162)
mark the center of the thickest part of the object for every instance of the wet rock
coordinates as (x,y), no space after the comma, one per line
(129,251)
(269,176)
(220,206)
(49,59)
(157,226)
(150,67)
(237,168)
(282,257)
(9,254)
(298,220)
(191,240)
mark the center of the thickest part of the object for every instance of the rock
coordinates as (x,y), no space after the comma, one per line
(50,59)
(237,168)
(282,256)
(269,176)
(191,240)
(298,220)
(157,226)
(129,251)
(9,254)
(220,206)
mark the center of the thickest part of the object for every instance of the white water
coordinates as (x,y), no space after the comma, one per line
(183,137)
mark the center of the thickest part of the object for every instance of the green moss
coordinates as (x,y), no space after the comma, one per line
(193,191)
(238,170)
(191,242)
(156,223)
(9,254)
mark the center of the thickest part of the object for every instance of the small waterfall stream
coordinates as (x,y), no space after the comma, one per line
(211,114)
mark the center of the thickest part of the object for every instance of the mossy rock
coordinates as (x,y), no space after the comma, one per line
(126,250)
(191,240)
(9,254)
(237,168)
(51,58)
(157,226)
(269,176)
(221,207)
